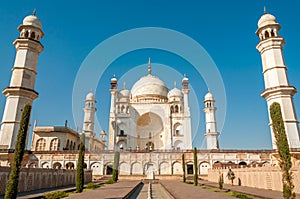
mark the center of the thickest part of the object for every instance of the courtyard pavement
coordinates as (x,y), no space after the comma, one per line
(116,191)
(254,192)
(176,188)
(180,190)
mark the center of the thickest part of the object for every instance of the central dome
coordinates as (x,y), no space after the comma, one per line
(149,86)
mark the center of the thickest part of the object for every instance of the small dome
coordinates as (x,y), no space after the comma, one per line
(175,92)
(90,96)
(266,19)
(113,79)
(149,85)
(124,93)
(32,20)
(102,132)
(209,96)
(185,79)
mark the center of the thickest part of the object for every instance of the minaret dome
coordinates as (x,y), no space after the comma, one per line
(267,26)
(90,96)
(31,28)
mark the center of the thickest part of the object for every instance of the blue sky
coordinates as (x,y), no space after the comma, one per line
(225,29)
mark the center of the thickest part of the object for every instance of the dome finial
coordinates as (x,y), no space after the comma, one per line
(149,66)
(124,85)
(34,12)
(208,90)
(265,10)
(174,84)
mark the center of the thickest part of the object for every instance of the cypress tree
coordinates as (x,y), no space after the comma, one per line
(195,167)
(12,185)
(80,165)
(221,181)
(183,168)
(282,144)
(115,173)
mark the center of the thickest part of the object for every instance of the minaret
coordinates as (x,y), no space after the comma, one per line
(187,116)
(21,89)
(89,118)
(211,124)
(112,116)
(277,87)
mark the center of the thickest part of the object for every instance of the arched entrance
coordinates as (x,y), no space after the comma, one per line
(97,168)
(149,167)
(56,165)
(190,168)
(149,127)
(108,169)
(150,146)
(70,165)
(203,168)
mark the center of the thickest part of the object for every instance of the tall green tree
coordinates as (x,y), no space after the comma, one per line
(195,167)
(282,144)
(12,185)
(183,168)
(115,173)
(80,165)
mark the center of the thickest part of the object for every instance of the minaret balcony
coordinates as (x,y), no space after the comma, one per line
(20,91)
(274,91)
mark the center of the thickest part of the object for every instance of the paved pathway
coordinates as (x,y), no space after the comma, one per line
(255,192)
(117,190)
(177,189)
(180,190)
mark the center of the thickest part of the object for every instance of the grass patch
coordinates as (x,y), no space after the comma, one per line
(92,186)
(241,195)
(214,189)
(56,195)
(110,181)
(227,192)
(238,195)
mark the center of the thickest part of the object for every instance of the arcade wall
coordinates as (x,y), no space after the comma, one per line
(267,177)
(38,178)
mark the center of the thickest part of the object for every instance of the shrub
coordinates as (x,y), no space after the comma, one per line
(183,168)
(80,165)
(282,144)
(110,181)
(115,173)
(56,195)
(195,167)
(12,185)
(221,181)
(92,186)
(241,195)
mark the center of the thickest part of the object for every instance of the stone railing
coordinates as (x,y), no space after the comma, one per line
(35,178)
(257,177)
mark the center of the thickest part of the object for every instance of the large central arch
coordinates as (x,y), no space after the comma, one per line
(149,128)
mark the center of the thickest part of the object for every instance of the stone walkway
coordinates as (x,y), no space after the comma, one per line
(117,190)
(177,189)
(180,190)
(254,192)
